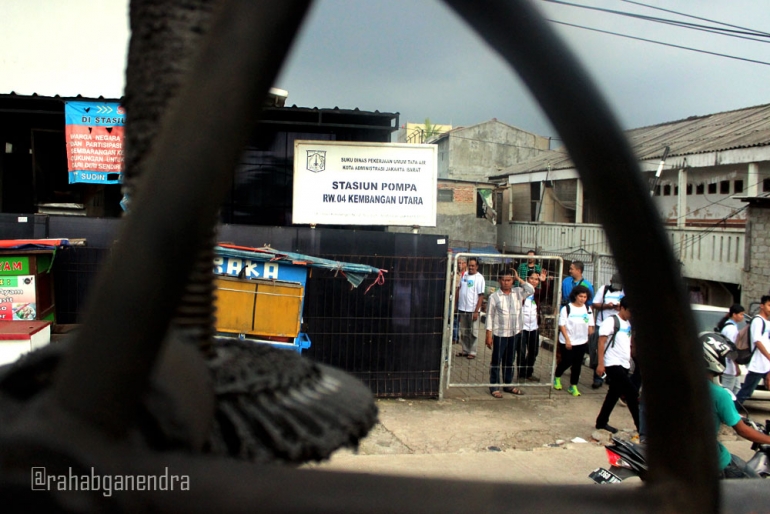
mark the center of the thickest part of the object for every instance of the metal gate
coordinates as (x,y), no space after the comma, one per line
(461,371)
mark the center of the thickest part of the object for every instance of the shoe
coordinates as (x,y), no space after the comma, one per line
(557,383)
(573,390)
(608,428)
(533,378)
(597,384)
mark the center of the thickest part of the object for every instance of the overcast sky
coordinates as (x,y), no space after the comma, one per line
(417,58)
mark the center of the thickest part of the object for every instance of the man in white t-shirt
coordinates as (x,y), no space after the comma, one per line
(607,299)
(615,361)
(470,294)
(606,304)
(759,365)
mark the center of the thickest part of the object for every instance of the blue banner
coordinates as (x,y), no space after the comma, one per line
(94,114)
(94,137)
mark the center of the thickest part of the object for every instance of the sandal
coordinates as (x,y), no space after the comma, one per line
(461,354)
(497,394)
(514,390)
(471,356)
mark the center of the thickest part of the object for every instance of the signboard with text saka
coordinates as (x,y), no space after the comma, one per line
(348,183)
(94,133)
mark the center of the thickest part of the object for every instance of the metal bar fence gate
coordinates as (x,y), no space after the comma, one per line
(462,371)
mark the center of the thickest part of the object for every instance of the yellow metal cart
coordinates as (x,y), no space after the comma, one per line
(262,302)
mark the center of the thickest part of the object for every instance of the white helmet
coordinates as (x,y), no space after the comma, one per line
(715,350)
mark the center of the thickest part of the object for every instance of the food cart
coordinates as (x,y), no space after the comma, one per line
(27,307)
(260,292)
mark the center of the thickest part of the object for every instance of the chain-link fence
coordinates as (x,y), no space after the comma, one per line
(534,353)
(529,360)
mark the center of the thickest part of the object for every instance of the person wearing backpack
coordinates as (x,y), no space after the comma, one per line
(759,365)
(576,324)
(605,305)
(615,361)
(728,327)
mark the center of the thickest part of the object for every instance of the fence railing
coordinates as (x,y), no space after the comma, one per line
(705,253)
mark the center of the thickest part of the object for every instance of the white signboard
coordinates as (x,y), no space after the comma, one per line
(347,183)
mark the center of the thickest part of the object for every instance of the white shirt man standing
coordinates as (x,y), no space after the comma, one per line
(470,294)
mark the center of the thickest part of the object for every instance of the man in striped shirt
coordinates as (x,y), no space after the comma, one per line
(504,324)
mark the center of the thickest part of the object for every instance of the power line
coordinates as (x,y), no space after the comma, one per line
(758,32)
(693,26)
(662,43)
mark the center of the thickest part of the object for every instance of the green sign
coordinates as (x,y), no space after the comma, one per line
(15,265)
(9,282)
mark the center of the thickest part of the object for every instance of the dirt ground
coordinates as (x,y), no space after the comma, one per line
(544,436)
(473,421)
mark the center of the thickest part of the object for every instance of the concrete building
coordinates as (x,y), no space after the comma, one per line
(713,161)
(465,197)
(473,153)
(461,214)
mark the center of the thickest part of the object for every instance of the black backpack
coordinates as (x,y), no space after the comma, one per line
(588,308)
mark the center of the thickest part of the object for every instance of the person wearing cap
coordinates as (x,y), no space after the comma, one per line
(607,304)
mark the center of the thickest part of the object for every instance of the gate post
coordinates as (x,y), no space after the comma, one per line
(447,333)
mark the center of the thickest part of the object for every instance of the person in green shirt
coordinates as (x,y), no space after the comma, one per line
(715,350)
(531,264)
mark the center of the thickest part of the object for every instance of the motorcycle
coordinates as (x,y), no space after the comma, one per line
(627,459)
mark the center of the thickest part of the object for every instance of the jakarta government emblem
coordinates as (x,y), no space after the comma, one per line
(316,160)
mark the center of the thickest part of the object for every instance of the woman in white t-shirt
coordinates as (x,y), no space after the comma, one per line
(576,324)
(728,326)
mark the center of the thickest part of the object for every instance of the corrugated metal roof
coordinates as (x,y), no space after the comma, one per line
(730,130)
(294,108)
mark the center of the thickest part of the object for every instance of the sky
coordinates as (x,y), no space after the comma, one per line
(417,58)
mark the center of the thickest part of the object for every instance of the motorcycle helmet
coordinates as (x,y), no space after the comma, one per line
(716,347)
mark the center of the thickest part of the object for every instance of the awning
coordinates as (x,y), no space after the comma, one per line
(354,273)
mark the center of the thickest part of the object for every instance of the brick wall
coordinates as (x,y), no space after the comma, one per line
(756,275)
(463,193)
